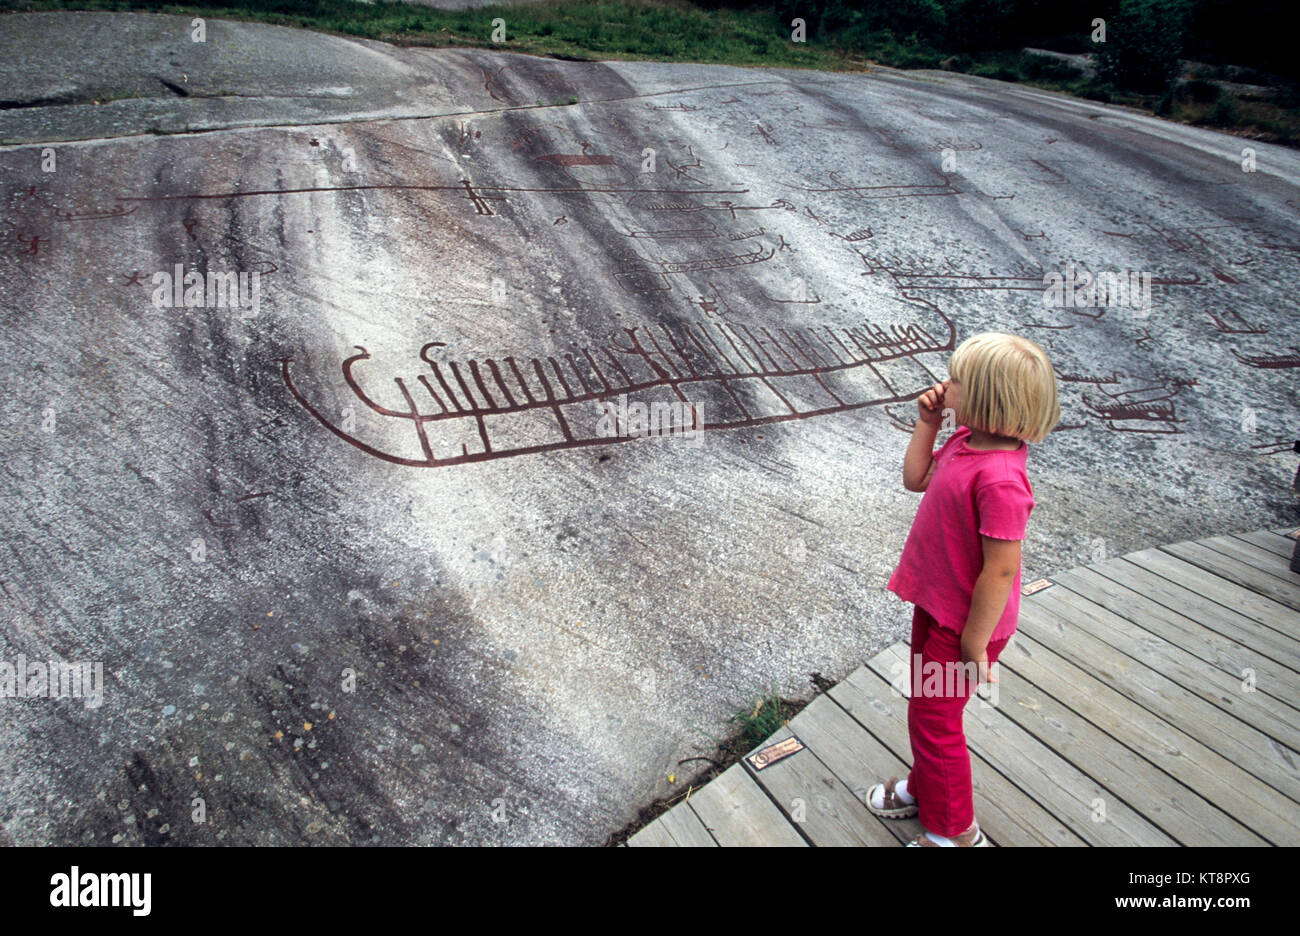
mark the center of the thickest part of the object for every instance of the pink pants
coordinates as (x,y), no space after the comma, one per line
(940,779)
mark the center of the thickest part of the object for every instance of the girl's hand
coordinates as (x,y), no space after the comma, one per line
(985,672)
(930,404)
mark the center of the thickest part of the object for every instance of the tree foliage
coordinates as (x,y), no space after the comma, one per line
(1144,41)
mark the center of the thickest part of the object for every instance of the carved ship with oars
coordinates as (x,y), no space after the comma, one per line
(1269,361)
(728,375)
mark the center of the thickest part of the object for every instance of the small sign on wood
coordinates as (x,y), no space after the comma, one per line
(774,752)
(1035,587)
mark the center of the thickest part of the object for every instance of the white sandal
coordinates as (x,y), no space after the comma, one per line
(973,837)
(883,801)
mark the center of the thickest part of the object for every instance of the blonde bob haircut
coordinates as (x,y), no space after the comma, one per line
(1008,386)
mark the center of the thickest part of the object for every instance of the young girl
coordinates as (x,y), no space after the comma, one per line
(961,563)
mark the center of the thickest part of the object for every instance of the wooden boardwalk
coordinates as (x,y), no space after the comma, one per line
(1152,699)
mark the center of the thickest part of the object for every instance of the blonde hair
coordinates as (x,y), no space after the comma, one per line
(1008,386)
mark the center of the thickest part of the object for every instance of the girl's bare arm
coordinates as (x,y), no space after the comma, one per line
(918,463)
(992,589)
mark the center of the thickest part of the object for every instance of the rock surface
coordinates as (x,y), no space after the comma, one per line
(435,604)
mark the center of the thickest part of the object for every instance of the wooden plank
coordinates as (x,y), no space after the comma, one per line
(737,813)
(854,756)
(1283,648)
(654,835)
(1260,558)
(1259,813)
(1056,785)
(1103,754)
(1001,806)
(1264,539)
(1006,815)
(987,729)
(1239,572)
(677,828)
(685,827)
(1217,589)
(887,655)
(814,799)
(1271,678)
(1216,729)
(1226,692)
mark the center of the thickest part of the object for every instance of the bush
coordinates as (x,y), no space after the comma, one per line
(1098,92)
(981,24)
(1144,42)
(924,17)
(1200,92)
(821,16)
(1224,113)
(1045,68)
(995,70)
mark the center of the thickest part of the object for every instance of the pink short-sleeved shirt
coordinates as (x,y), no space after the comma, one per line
(971,493)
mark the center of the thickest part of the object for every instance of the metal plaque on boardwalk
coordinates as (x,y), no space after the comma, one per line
(774,752)
(1035,587)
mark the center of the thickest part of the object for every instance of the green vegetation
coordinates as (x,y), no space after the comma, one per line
(663,30)
(763,720)
(1144,41)
(1275,118)
(1138,64)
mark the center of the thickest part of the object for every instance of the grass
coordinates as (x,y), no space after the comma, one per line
(663,30)
(1203,103)
(679,31)
(766,718)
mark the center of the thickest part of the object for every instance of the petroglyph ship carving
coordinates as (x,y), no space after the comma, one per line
(1269,361)
(1130,409)
(1234,324)
(733,375)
